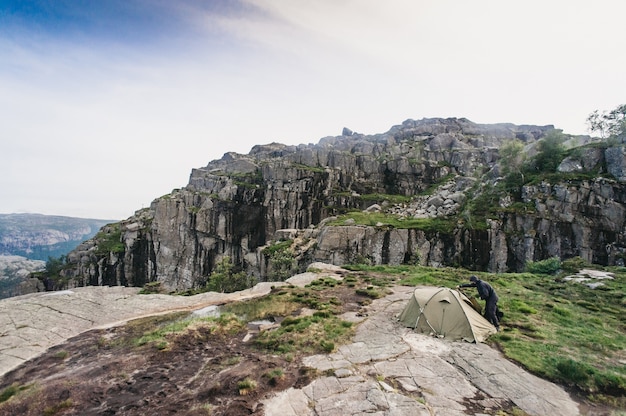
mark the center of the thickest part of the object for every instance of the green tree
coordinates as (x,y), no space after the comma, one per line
(610,124)
(51,276)
(54,265)
(550,153)
(512,158)
(224,279)
(282,261)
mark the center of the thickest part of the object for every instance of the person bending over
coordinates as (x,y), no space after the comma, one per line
(486,292)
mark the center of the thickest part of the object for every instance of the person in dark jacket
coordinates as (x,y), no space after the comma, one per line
(486,292)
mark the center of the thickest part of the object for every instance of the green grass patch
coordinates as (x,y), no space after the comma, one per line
(562,331)
(159,335)
(11,391)
(371,292)
(262,308)
(308,334)
(109,240)
(373,219)
(314,169)
(277,247)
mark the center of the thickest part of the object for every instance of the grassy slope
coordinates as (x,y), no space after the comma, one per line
(561,331)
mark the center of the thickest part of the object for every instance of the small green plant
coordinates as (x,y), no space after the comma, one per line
(246,386)
(161,345)
(550,152)
(275,376)
(371,292)
(61,355)
(327,346)
(8,392)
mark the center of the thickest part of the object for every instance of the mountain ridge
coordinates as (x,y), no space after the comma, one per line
(435,177)
(39,236)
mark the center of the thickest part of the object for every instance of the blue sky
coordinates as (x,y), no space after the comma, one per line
(108,104)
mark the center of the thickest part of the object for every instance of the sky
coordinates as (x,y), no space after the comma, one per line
(106,105)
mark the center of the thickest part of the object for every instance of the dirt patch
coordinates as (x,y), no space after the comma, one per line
(198,371)
(102,372)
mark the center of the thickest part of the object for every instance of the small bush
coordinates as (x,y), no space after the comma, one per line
(370,293)
(151,288)
(275,376)
(225,278)
(57,408)
(574,372)
(574,265)
(7,393)
(245,386)
(547,266)
(327,346)
(109,240)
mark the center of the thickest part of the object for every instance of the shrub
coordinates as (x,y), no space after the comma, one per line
(550,153)
(275,376)
(246,385)
(282,260)
(574,372)
(547,266)
(7,393)
(151,288)
(224,279)
(109,240)
(57,408)
(327,346)
(574,265)
(370,292)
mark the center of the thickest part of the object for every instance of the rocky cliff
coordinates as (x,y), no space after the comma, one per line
(426,192)
(15,277)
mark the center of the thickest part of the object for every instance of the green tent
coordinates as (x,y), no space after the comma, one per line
(445,313)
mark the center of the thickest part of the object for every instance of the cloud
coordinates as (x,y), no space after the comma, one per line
(112,109)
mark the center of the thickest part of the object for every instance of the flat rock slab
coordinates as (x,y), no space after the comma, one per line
(391,370)
(386,369)
(32,323)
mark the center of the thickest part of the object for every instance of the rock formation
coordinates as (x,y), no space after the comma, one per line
(434,175)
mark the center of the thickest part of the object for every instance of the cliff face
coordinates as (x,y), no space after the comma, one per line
(432,169)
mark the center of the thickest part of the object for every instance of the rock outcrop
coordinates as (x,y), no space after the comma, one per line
(15,277)
(429,174)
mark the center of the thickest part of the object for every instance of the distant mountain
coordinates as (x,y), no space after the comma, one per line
(37,236)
